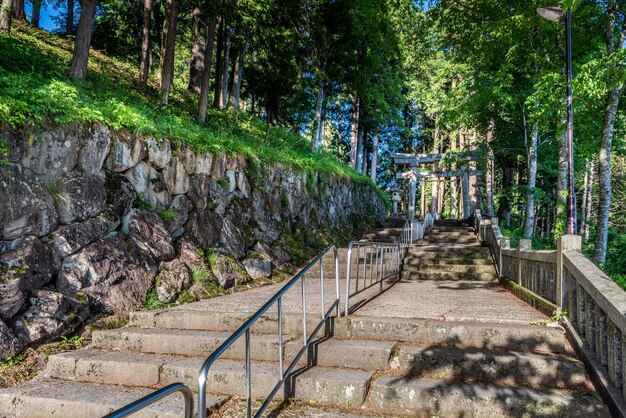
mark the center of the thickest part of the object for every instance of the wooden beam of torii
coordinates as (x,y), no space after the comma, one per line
(437,174)
(417,159)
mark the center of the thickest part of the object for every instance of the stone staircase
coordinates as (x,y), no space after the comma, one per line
(445,347)
(449,251)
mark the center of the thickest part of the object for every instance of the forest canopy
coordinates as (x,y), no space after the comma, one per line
(342,85)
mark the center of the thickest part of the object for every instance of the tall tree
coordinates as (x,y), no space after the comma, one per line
(614,41)
(5,16)
(167,69)
(206,69)
(69,18)
(18,10)
(235,91)
(82,43)
(144,67)
(36,14)
(196,67)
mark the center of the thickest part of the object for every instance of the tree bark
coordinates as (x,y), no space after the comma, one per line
(529,223)
(69,18)
(561,184)
(217,92)
(604,176)
(167,71)
(316,141)
(196,65)
(235,91)
(374,159)
(354,136)
(206,70)
(589,205)
(583,206)
(36,15)
(359,147)
(80,57)
(5,16)
(144,66)
(18,10)
(225,67)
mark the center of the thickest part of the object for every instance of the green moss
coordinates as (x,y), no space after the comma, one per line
(82,298)
(167,215)
(223,182)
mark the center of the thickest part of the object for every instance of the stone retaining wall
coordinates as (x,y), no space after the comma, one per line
(92,219)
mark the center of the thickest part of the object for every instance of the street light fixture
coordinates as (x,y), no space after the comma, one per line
(556,14)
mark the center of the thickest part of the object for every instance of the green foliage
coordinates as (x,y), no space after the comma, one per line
(35,91)
(4,152)
(167,215)
(13,360)
(152,301)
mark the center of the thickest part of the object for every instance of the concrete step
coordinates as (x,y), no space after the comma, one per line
(434,239)
(433,259)
(444,275)
(264,347)
(221,322)
(426,267)
(496,367)
(442,398)
(458,334)
(354,354)
(51,398)
(450,248)
(110,367)
(318,384)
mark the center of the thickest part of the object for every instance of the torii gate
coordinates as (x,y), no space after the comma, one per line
(413,174)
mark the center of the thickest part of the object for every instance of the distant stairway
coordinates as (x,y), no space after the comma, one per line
(450,251)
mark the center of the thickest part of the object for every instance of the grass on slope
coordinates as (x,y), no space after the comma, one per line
(35,91)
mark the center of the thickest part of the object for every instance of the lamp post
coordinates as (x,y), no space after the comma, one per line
(556,14)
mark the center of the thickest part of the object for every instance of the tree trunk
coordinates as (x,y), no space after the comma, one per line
(18,10)
(69,18)
(167,71)
(197,50)
(583,206)
(316,141)
(235,91)
(592,173)
(5,16)
(144,66)
(364,157)
(374,159)
(206,69)
(529,223)
(80,57)
(225,67)
(217,92)
(604,176)
(354,137)
(36,15)
(359,147)
(561,185)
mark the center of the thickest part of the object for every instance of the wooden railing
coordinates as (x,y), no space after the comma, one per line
(593,306)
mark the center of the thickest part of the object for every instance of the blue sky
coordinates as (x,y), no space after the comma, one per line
(47,12)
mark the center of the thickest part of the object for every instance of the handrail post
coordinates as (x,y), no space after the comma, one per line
(349,262)
(337,290)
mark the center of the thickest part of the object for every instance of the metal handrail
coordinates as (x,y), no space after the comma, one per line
(153,397)
(245,329)
(384,258)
